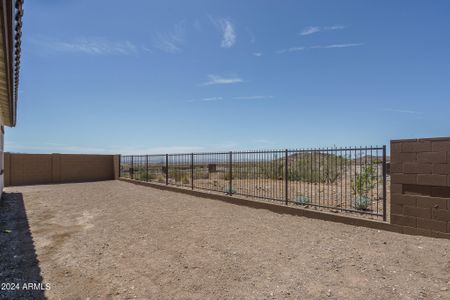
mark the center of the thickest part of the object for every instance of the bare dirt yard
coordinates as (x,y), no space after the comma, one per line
(118,240)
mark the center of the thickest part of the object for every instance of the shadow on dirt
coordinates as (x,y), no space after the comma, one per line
(20,274)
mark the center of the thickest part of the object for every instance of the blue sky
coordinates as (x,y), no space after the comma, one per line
(182,76)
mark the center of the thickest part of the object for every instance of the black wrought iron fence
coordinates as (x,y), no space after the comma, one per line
(349,180)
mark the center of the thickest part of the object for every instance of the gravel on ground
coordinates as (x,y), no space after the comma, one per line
(118,240)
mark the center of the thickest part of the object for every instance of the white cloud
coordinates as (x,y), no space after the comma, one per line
(89,45)
(215,99)
(337,46)
(172,41)
(227,29)
(217,79)
(403,111)
(257,54)
(310,30)
(208,99)
(331,46)
(292,49)
(314,29)
(252,97)
(335,27)
(146,49)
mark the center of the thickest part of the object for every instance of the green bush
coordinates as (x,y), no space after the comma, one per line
(302,200)
(363,183)
(185,180)
(229,190)
(362,202)
(201,173)
(316,168)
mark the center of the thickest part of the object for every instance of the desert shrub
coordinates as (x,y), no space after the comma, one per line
(272,170)
(362,202)
(226,176)
(229,190)
(142,175)
(185,179)
(319,168)
(363,183)
(302,200)
(179,174)
(201,173)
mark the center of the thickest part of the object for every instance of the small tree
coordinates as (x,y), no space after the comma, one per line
(363,183)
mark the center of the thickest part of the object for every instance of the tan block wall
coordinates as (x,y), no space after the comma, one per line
(28,169)
(2,163)
(420,186)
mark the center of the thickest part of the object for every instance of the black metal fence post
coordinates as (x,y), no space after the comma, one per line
(167,169)
(286,182)
(146,166)
(120,165)
(192,170)
(132,167)
(231,173)
(384,183)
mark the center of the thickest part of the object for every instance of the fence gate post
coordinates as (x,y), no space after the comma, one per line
(132,167)
(286,186)
(192,170)
(230,191)
(167,169)
(146,167)
(384,182)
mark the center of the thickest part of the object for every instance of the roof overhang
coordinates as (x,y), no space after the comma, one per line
(10,39)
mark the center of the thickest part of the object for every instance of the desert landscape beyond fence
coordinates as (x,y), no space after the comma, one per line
(351,180)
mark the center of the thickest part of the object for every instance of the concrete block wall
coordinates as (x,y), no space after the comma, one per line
(28,169)
(420,186)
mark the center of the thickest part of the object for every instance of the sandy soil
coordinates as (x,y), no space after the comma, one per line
(119,240)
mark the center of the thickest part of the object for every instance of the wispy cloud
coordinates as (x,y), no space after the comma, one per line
(215,99)
(403,111)
(314,29)
(292,49)
(331,46)
(218,79)
(227,29)
(89,45)
(257,54)
(208,99)
(252,97)
(310,30)
(337,46)
(171,41)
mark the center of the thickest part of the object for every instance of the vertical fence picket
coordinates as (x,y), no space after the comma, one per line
(384,183)
(167,169)
(192,170)
(132,168)
(146,167)
(231,173)
(286,179)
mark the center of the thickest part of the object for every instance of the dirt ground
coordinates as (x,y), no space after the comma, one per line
(118,240)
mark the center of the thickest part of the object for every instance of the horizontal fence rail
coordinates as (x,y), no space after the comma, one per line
(351,180)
